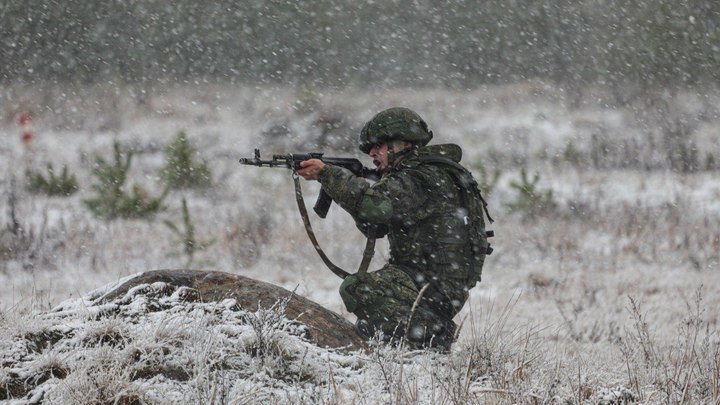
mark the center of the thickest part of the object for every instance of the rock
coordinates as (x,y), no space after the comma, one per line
(325,328)
(177,333)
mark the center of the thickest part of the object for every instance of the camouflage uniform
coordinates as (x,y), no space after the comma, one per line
(421,208)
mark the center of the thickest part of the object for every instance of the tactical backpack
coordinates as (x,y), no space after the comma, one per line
(473,201)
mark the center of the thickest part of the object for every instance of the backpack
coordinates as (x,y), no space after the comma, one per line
(476,206)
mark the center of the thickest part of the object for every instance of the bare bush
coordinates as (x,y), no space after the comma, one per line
(684,369)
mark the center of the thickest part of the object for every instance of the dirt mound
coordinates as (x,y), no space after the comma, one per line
(176,333)
(325,328)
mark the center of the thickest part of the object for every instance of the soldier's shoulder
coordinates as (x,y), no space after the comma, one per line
(446,151)
(423,174)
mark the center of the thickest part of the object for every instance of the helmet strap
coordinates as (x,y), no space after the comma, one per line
(392,154)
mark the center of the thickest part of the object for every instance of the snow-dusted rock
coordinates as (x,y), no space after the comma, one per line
(325,328)
(173,335)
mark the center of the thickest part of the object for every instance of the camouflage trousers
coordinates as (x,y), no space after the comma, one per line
(383,301)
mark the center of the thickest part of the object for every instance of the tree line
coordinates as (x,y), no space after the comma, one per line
(456,43)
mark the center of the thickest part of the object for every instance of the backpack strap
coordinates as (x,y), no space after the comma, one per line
(463,179)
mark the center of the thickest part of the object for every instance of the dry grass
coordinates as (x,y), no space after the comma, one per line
(607,299)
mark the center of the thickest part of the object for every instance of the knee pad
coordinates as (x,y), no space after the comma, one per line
(347,292)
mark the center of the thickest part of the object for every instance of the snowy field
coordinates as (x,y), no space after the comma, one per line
(610,294)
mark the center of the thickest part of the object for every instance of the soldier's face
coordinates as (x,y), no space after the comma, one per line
(379,155)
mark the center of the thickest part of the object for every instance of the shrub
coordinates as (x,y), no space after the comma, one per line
(112,201)
(15,240)
(530,200)
(683,157)
(710,163)
(190,243)
(486,181)
(180,170)
(573,155)
(65,184)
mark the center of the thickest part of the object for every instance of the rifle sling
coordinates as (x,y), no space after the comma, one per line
(369,246)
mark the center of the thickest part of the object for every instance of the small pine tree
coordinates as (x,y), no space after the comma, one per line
(65,184)
(180,170)
(486,181)
(572,154)
(710,162)
(190,243)
(111,201)
(530,200)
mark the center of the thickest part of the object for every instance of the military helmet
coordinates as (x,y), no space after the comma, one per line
(397,123)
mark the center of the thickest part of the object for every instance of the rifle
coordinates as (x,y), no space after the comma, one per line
(292,161)
(322,205)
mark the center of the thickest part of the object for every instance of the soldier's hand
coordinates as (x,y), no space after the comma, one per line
(310,169)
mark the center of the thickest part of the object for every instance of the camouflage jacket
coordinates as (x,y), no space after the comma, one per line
(419,206)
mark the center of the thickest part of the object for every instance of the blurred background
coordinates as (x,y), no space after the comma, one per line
(627,45)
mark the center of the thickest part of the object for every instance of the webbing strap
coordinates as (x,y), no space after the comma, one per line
(459,180)
(368,254)
(369,246)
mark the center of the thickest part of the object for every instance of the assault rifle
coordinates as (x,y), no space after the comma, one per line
(292,161)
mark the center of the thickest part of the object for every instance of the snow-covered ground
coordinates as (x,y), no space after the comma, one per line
(612,288)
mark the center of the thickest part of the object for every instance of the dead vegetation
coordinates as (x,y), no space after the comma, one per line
(603,293)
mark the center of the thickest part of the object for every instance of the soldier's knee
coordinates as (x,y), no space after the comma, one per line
(349,292)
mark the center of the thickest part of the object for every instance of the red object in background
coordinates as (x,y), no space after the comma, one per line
(24,119)
(27,137)
(24,122)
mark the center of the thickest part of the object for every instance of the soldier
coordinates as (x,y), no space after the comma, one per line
(431,210)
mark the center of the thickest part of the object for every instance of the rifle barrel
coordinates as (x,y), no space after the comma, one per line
(292,161)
